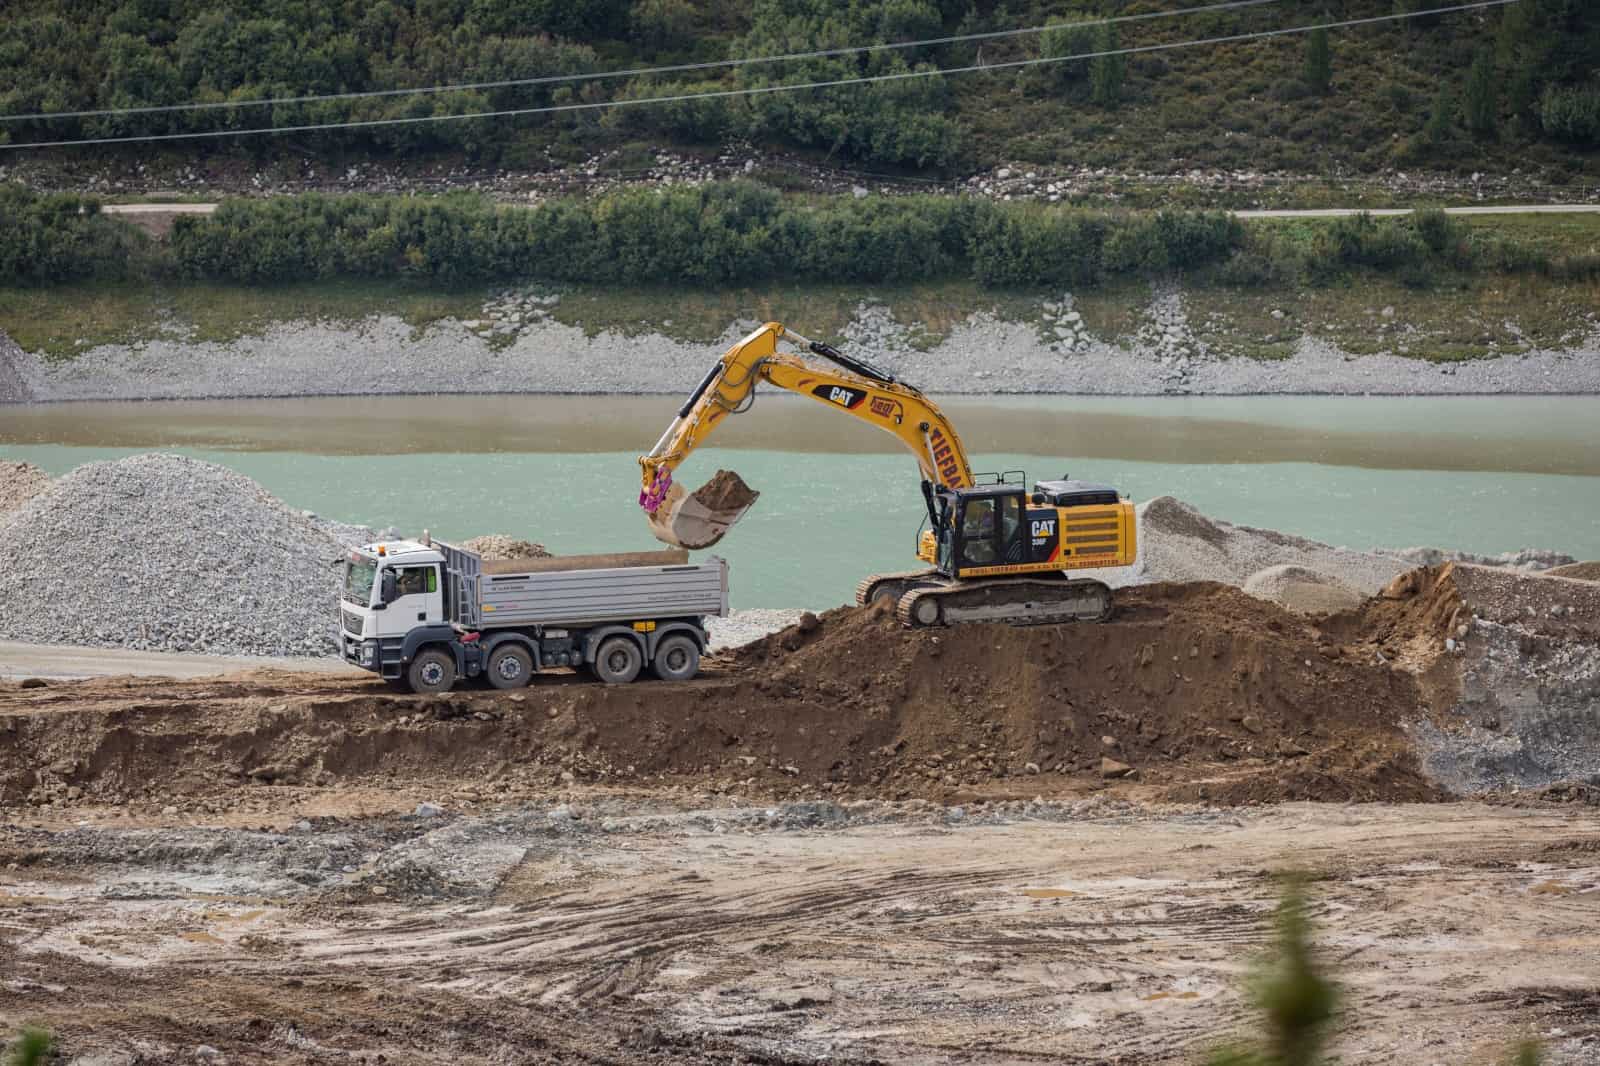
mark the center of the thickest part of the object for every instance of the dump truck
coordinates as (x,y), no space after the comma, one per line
(424,614)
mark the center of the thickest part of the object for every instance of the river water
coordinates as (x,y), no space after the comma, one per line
(840,499)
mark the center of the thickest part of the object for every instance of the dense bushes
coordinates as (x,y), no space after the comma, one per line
(713,234)
(59,238)
(739,233)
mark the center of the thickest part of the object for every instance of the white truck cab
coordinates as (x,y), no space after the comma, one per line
(391,588)
(423,614)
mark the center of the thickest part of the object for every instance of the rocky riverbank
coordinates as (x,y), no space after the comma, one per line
(519,346)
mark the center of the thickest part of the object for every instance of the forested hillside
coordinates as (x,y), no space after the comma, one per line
(1501,87)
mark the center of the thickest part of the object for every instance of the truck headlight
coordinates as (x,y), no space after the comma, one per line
(369,652)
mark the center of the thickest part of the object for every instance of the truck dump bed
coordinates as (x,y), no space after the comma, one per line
(544,592)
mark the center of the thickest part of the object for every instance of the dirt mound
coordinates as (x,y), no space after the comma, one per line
(498,546)
(1577,571)
(1185,675)
(1194,692)
(726,491)
(1302,590)
(19,483)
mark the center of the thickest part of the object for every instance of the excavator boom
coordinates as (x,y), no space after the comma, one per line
(701,518)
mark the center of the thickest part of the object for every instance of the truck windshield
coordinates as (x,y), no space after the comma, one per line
(358,576)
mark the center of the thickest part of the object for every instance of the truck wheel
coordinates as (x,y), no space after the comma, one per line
(510,666)
(677,658)
(432,672)
(618,660)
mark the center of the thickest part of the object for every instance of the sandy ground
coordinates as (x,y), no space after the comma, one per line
(609,929)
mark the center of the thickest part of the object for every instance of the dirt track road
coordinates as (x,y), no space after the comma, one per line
(614,929)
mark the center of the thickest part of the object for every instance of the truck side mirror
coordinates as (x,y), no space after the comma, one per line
(389,588)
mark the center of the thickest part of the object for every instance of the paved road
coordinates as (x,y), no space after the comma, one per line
(1508,209)
(58,661)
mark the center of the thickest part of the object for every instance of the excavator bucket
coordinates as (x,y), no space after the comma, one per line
(699,519)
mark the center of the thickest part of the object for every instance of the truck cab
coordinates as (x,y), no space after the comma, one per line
(388,591)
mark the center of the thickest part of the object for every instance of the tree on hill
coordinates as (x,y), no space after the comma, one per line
(1319,62)
(1482,97)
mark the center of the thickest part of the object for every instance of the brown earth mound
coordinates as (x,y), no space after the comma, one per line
(1578,571)
(1193,692)
(726,491)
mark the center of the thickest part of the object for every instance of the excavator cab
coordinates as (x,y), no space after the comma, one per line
(980,527)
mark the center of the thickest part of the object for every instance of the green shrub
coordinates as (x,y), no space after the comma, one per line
(1073,38)
(1295,1000)
(60,237)
(1571,114)
(31,1048)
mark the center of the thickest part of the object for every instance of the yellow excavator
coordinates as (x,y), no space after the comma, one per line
(996,552)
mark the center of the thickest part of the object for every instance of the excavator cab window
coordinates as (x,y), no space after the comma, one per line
(991,530)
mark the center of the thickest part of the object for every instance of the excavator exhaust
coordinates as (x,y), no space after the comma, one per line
(697,519)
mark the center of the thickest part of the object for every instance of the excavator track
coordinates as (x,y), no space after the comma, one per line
(897,584)
(1012,601)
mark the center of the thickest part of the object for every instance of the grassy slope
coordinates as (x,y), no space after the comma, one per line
(1459,319)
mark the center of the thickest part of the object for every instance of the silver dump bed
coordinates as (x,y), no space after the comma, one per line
(581,590)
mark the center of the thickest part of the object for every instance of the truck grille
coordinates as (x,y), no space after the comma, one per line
(352,623)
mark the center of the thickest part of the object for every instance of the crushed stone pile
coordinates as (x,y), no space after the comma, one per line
(166,553)
(14,387)
(1527,559)
(19,483)
(1179,543)
(1303,590)
(496,546)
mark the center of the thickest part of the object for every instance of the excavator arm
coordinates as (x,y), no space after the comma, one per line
(701,518)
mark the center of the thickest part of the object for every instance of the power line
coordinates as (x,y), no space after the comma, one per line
(763,89)
(551,79)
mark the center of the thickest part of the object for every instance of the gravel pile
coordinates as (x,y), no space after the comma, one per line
(14,363)
(1178,543)
(19,483)
(500,546)
(166,553)
(1302,590)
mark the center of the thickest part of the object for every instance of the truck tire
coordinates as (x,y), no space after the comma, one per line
(432,672)
(677,658)
(618,660)
(510,666)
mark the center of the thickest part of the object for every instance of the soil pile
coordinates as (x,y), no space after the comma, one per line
(19,483)
(498,546)
(1195,692)
(1184,675)
(1577,571)
(161,552)
(726,491)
